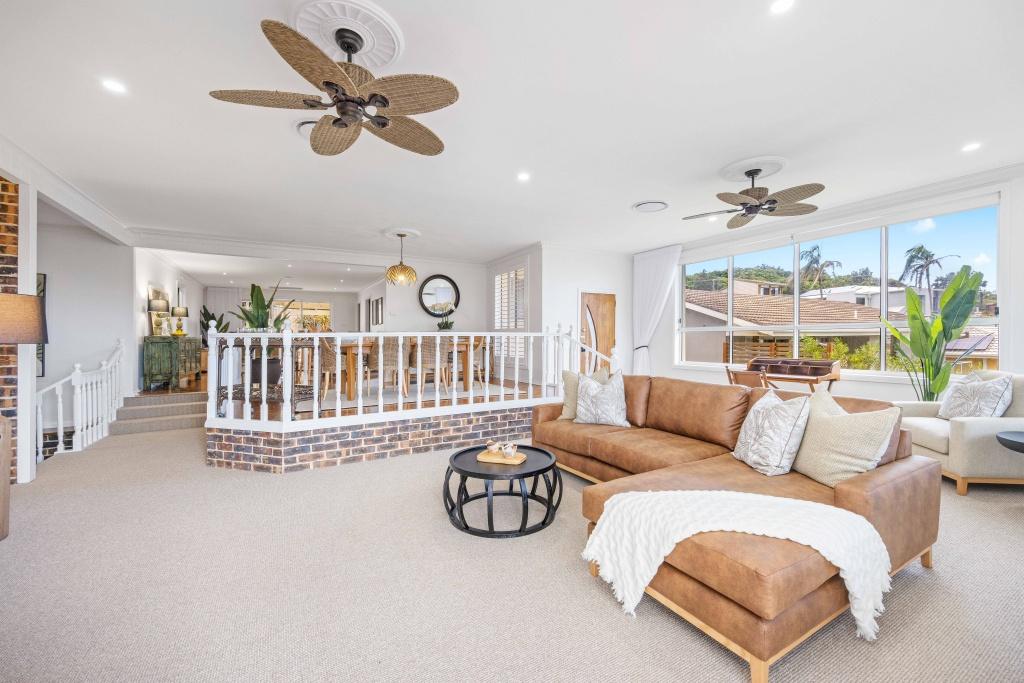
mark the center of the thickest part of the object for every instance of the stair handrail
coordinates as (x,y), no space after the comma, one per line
(96,396)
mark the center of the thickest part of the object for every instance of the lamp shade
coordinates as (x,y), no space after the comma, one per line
(179,312)
(159,305)
(22,319)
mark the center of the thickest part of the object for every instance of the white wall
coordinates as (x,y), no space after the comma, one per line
(88,303)
(227,300)
(402,310)
(151,270)
(569,271)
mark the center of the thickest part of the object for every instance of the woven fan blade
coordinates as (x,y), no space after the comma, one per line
(796,194)
(755,193)
(359,75)
(409,134)
(412,93)
(793,210)
(736,199)
(739,221)
(710,213)
(327,140)
(305,57)
(266,98)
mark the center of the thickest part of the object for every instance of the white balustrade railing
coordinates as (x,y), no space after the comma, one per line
(95,397)
(274,381)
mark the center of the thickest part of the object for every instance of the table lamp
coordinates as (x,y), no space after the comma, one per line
(179,312)
(22,321)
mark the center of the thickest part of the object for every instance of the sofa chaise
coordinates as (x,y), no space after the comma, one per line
(760,597)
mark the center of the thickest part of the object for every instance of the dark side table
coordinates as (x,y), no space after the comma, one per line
(1012,440)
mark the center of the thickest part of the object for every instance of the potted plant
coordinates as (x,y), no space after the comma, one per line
(257,319)
(446,322)
(220,324)
(928,368)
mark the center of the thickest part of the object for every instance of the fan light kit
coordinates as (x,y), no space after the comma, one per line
(400,274)
(651,206)
(360,101)
(756,201)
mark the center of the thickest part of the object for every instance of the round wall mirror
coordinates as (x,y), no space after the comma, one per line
(439,295)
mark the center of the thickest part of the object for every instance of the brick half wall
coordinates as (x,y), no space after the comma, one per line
(277,453)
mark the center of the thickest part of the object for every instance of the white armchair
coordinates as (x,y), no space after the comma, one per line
(966,447)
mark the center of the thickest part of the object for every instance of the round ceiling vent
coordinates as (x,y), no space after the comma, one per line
(319,20)
(651,206)
(769,165)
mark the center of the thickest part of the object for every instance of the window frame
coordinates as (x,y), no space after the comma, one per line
(794,242)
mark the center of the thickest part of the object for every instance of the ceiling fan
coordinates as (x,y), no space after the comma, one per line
(755,201)
(351,90)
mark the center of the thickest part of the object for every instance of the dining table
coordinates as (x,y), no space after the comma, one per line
(350,350)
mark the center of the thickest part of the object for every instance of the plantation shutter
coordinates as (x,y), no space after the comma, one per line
(510,307)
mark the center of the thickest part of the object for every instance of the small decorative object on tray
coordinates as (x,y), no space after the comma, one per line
(501,454)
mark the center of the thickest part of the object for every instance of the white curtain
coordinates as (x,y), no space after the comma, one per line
(653,272)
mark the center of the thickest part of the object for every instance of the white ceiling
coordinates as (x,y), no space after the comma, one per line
(214,270)
(604,103)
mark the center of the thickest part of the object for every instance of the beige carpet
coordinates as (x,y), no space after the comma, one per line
(135,561)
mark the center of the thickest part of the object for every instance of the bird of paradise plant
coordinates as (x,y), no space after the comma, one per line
(257,315)
(929,335)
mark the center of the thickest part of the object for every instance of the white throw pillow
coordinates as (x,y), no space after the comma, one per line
(976,397)
(838,445)
(570,390)
(772,432)
(602,404)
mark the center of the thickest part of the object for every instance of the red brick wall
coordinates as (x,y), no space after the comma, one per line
(9,285)
(279,453)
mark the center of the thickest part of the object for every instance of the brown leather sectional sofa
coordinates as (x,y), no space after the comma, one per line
(758,596)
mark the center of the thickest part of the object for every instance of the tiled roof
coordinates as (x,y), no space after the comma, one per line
(778,309)
(986,348)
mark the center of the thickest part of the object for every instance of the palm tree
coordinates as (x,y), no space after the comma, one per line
(918,268)
(814,265)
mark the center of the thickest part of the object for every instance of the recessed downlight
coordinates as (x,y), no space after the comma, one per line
(523,176)
(781,6)
(114,86)
(971,147)
(712,219)
(650,206)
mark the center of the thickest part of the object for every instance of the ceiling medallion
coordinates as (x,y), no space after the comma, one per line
(400,274)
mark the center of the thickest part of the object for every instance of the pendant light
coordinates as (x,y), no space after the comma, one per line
(400,274)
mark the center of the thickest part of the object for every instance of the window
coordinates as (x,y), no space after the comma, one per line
(824,298)
(305,316)
(510,308)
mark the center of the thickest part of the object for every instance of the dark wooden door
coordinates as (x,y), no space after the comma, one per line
(597,327)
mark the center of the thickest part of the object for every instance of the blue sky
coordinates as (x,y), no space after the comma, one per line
(969,236)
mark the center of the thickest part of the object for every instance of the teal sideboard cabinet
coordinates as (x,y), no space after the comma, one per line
(165,360)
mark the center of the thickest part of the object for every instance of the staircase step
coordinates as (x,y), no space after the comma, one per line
(162,410)
(163,399)
(156,424)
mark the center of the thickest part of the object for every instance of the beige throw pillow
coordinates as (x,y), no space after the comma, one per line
(838,445)
(570,390)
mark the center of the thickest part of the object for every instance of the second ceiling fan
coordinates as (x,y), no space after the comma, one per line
(757,201)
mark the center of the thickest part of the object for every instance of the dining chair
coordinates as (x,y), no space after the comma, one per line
(329,367)
(748,378)
(429,353)
(388,372)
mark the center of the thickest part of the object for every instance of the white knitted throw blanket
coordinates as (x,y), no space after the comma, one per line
(639,529)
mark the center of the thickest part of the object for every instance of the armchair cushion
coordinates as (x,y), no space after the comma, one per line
(930,432)
(918,408)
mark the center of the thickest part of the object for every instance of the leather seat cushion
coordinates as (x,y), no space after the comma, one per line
(642,450)
(570,436)
(930,432)
(765,575)
(709,412)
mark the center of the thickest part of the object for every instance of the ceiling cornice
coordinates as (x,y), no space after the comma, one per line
(25,169)
(176,240)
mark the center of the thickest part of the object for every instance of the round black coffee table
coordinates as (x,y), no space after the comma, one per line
(1012,440)
(539,464)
